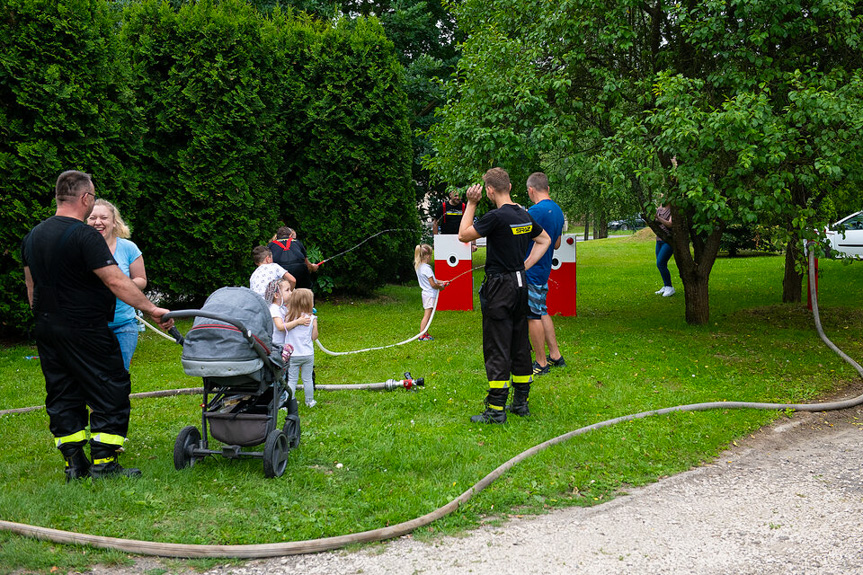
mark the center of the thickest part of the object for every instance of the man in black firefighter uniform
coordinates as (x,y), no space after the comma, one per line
(72,280)
(503,295)
(447,219)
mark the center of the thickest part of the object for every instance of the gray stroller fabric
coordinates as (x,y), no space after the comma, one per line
(214,348)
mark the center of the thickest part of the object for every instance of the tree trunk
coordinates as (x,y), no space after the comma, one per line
(694,265)
(586,227)
(696,294)
(600,227)
(792,290)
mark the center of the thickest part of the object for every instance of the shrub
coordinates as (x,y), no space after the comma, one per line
(64,104)
(209,126)
(738,237)
(352,177)
(208,172)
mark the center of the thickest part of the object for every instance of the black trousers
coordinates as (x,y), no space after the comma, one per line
(83,366)
(505,341)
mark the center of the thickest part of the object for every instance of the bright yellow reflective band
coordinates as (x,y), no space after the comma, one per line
(499,384)
(109,439)
(522,379)
(495,407)
(79,436)
(106,460)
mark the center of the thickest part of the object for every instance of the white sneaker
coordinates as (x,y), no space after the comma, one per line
(311,403)
(669,291)
(660,291)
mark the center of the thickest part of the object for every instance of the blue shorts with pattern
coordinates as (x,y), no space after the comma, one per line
(536,295)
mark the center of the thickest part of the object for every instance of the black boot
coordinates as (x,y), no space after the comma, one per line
(77,464)
(519,404)
(105,462)
(494,407)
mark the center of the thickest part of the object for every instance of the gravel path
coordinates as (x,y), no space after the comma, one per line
(786,500)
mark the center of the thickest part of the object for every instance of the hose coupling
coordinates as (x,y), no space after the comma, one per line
(408,382)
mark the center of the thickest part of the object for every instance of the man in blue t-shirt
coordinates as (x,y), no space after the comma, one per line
(548,215)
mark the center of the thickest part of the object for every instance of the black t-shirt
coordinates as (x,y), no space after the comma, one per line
(291,255)
(62,271)
(508,230)
(449,217)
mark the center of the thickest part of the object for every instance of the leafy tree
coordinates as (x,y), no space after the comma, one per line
(758,102)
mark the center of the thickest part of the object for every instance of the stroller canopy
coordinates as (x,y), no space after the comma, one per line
(214,340)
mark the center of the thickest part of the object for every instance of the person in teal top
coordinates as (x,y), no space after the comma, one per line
(106,219)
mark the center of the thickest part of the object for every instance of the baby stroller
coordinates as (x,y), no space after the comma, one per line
(230,347)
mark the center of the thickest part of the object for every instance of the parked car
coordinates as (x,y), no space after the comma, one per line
(631,223)
(845,237)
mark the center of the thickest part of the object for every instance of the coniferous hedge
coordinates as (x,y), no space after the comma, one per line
(355,150)
(64,104)
(208,126)
(203,81)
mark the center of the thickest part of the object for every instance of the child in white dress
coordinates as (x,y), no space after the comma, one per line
(278,295)
(428,284)
(302,331)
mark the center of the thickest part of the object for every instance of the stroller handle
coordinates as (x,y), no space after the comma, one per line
(207,314)
(259,349)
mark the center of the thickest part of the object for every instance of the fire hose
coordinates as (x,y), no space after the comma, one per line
(398,530)
(410,339)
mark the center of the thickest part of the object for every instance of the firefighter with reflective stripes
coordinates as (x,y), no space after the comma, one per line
(508,230)
(72,280)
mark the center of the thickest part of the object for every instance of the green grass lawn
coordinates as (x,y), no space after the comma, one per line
(370,459)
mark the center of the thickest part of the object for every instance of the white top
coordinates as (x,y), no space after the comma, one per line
(301,338)
(263,275)
(424,272)
(279,311)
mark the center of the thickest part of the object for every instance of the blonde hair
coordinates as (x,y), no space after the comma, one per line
(421,252)
(302,301)
(121,228)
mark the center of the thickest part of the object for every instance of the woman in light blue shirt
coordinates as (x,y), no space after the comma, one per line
(106,219)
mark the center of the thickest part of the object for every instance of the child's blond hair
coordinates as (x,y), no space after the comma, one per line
(421,252)
(302,301)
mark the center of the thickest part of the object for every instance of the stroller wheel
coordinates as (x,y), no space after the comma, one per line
(276,453)
(186,442)
(292,430)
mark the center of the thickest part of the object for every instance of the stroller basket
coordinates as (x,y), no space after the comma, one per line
(241,429)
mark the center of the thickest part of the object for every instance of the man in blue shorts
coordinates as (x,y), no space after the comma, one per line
(548,215)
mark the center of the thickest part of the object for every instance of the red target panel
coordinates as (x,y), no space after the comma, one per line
(561,298)
(452,259)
